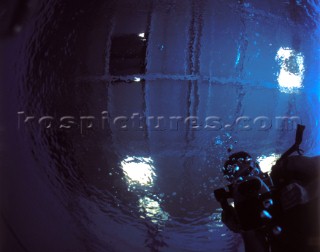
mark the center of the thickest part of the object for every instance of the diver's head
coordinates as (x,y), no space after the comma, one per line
(239,166)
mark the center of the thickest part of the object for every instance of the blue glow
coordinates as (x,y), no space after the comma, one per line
(265,214)
(238,56)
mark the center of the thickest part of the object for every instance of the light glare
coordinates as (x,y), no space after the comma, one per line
(152,210)
(291,73)
(138,170)
(266,162)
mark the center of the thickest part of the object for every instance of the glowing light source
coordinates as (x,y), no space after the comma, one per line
(141,35)
(138,170)
(291,73)
(137,79)
(266,162)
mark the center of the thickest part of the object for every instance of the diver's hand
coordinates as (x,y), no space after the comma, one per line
(229,218)
(293,195)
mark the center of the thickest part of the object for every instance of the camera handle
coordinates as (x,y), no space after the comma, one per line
(222,195)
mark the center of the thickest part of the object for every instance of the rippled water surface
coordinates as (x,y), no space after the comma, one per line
(136,105)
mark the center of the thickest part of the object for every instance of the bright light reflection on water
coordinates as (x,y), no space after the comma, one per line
(151,209)
(138,171)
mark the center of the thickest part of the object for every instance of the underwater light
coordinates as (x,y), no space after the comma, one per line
(266,162)
(291,73)
(138,170)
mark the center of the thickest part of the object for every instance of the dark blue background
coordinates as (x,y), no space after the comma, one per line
(66,189)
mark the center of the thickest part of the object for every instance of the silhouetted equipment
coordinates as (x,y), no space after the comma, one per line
(256,200)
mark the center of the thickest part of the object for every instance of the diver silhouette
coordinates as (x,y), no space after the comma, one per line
(290,223)
(276,211)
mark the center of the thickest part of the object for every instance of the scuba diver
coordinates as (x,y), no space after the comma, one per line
(276,211)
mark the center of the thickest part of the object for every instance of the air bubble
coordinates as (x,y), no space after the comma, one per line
(229,167)
(277,230)
(265,215)
(267,203)
(240,179)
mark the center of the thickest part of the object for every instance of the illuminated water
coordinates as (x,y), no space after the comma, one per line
(132,149)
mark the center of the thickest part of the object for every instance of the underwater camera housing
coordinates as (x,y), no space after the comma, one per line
(254,201)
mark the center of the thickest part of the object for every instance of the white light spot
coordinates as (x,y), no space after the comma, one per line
(137,79)
(138,170)
(141,35)
(291,73)
(151,208)
(266,162)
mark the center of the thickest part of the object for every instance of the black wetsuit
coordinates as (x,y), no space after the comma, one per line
(300,224)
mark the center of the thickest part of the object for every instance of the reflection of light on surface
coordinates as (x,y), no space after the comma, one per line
(152,210)
(141,35)
(137,79)
(291,73)
(138,170)
(215,220)
(238,57)
(266,162)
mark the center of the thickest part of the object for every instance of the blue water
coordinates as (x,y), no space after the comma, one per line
(133,141)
